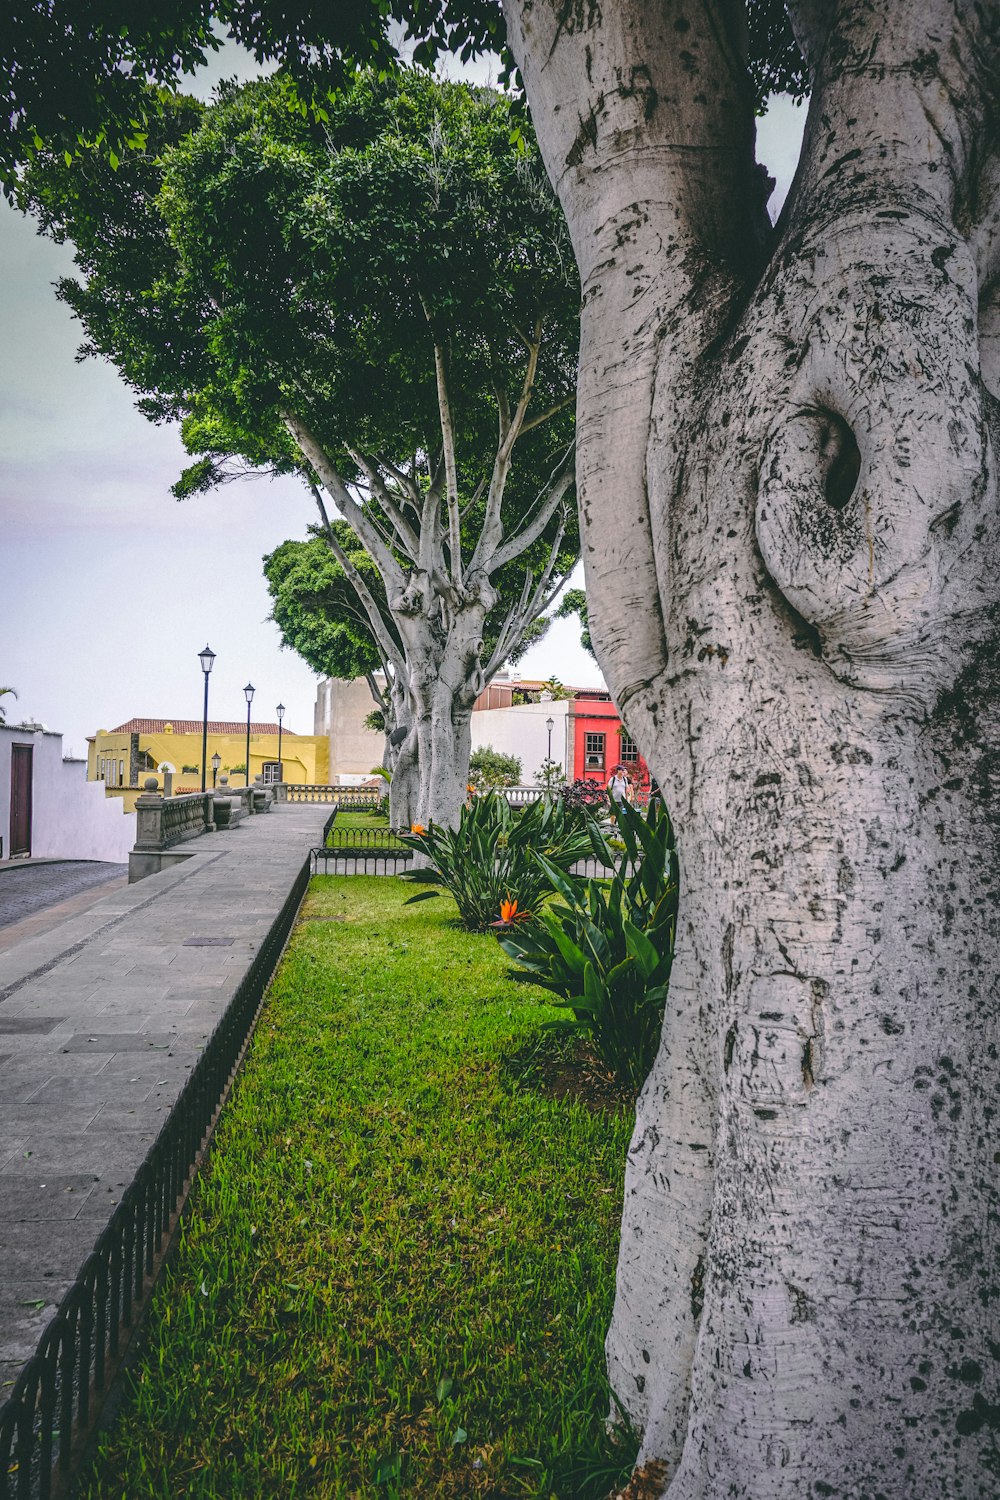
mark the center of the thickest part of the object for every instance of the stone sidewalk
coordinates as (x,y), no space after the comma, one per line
(44,893)
(101,1020)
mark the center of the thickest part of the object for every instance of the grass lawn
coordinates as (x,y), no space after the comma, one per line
(362,818)
(397,1269)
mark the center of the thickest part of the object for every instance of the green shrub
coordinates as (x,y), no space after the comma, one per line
(491,768)
(550,775)
(492,856)
(606,949)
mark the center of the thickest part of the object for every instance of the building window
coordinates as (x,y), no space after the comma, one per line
(272,770)
(629,753)
(593,750)
(121,773)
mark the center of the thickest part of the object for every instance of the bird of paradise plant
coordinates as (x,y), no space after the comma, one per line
(510,912)
(493,852)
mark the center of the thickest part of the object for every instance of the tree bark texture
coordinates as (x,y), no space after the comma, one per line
(786,473)
(443,650)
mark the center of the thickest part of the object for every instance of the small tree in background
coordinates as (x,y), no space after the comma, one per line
(489,768)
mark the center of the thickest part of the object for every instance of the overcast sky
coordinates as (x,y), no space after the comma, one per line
(108,587)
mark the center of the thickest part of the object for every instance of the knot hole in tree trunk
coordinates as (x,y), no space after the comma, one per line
(812,525)
(841,456)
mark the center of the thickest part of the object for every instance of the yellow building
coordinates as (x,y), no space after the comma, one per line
(124,757)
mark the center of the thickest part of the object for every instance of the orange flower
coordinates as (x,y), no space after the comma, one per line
(509,912)
(417,828)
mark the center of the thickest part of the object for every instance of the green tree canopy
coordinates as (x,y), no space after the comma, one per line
(383,300)
(74,71)
(317,609)
(574,602)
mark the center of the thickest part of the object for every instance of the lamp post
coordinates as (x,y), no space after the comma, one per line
(216,763)
(280,711)
(207,659)
(550,724)
(248,692)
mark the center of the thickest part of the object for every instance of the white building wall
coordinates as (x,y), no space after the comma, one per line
(521,731)
(70,818)
(341,708)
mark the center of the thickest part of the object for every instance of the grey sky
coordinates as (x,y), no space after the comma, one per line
(108,586)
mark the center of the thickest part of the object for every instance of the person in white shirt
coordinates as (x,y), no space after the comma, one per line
(619,786)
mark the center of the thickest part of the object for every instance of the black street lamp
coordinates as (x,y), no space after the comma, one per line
(248,692)
(280,711)
(216,763)
(550,725)
(207,659)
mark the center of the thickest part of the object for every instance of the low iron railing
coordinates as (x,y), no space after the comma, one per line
(362,838)
(45,1420)
(360,861)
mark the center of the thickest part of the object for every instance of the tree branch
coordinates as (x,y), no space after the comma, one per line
(390,648)
(450,466)
(317,457)
(404,531)
(551,498)
(491,532)
(546,416)
(532,604)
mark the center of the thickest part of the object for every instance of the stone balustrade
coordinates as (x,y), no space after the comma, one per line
(165,823)
(162,822)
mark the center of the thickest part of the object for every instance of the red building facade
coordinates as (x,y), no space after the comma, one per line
(601,742)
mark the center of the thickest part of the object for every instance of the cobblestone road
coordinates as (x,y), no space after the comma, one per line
(27,889)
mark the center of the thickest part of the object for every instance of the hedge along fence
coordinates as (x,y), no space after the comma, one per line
(47,1419)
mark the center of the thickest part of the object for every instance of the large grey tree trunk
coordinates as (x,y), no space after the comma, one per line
(786,472)
(444,649)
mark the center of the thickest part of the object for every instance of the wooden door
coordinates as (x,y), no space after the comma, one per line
(20,799)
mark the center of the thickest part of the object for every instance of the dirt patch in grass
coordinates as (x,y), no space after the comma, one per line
(564,1065)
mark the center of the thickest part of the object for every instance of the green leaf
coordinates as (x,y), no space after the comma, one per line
(387,1468)
(641,948)
(444,1388)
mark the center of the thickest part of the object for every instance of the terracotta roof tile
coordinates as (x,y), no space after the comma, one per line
(193,726)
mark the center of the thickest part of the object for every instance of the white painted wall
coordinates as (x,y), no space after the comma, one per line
(340,715)
(71,817)
(521,731)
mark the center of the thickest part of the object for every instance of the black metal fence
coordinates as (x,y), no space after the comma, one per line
(360,861)
(350,839)
(45,1421)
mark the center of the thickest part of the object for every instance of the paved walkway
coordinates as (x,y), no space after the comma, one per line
(36,887)
(101,1020)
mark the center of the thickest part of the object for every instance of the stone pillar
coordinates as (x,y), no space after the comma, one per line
(149,816)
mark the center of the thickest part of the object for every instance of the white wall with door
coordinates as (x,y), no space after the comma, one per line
(49,809)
